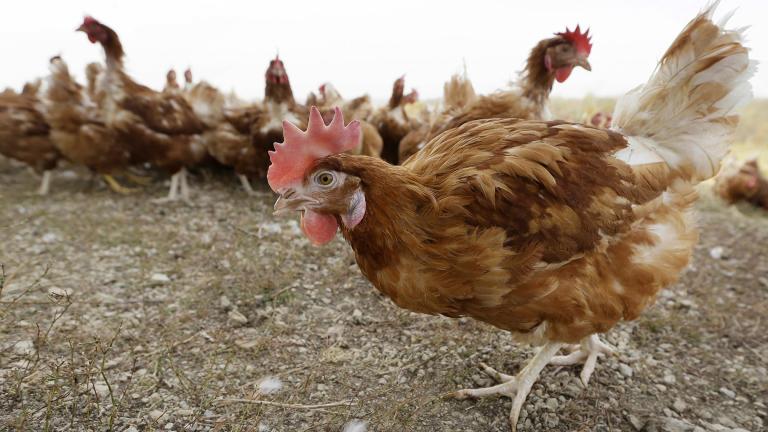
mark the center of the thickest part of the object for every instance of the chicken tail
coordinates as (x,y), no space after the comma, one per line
(685,115)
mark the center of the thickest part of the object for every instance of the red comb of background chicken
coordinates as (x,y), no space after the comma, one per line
(579,40)
(299,149)
(89,20)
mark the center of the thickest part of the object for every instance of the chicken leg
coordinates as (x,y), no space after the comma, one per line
(591,347)
(184,185)
(246,185)
(45,183)
(516,387)
(116,186)
(173,192)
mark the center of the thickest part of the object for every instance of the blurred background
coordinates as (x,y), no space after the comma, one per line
(360,48)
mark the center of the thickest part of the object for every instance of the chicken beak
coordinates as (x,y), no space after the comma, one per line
(81,28)
(290,201)
(582,61)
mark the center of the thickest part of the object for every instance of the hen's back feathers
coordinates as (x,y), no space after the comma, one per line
(685,115)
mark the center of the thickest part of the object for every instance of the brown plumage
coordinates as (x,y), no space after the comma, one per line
(278,105)
(25,134)
(744,183)
(77,128)
(392,121)
(160,127)
(550,60)
(550,230)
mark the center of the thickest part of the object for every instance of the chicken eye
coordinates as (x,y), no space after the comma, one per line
(324,178)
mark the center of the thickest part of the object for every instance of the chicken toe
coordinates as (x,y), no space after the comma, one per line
(116,186)
(516,387)
(590,348)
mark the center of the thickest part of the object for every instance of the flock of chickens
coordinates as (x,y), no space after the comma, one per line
(113,123)
(553,231)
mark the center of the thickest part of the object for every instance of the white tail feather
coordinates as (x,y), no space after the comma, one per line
(685,114)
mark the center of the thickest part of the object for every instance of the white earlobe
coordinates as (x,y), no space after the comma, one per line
(355,211)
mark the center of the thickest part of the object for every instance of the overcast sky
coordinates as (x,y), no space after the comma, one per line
(360,46)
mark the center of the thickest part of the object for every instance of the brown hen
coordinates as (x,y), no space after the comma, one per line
(552,231)
(158,127)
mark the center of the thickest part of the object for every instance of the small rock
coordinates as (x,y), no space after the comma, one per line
(49,238)
(669,379)
(224,303)
(155,415)
(357,317)
(636,422)
(679,405)
(25,347)
(270,385)
(725,421)
(101,389)
(184,412)
(674,425)
(131,429)
(730,394)
(237,318)
(356,426)
(552,404)
(322,387)
(717,252)
(625,370)
(159,278)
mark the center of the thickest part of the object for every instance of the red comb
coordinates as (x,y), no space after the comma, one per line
(89,20)
(299,149)
(579,40)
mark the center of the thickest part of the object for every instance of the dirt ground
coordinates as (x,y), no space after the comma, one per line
(117,313)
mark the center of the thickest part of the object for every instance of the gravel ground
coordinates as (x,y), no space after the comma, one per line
(117,313)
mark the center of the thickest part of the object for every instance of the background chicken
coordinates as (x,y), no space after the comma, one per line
(552,231)
(279,105)
(743,183)
(458,93)
(25,135)
(160,128)
(392,121)
(77,129)
(359,108)
(228,130)
(171,83)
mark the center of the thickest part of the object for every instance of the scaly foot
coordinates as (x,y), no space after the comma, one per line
(591,347)
(116,186)
(516,387)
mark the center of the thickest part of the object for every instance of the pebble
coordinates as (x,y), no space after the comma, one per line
(131,429)
(717,252)
(50,238)
(730,394)
(674,425)
(636,422)
(725,421)
(224,303)
(355,425)
(24,347)
(669,379)
(625,370)
(159,278)
(552,404)
(237,318)
(155,415)
(679,405)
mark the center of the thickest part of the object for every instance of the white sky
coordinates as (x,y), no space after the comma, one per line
(359,46)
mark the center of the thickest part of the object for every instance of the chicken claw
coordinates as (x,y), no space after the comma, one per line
(591,347)
(116,186)
(516,387)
